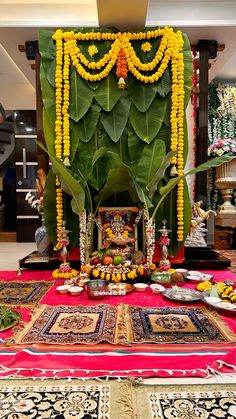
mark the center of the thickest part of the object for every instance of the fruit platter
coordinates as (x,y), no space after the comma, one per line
(219,295)
(116,268)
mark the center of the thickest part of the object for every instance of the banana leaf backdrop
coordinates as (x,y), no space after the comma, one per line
(118,137)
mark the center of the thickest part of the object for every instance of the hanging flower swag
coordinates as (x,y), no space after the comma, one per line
(123,55)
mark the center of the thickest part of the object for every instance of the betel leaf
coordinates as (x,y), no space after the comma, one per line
(107,94)
(147,124)
(80,97)
(114,122)
(87,125)
(141,95)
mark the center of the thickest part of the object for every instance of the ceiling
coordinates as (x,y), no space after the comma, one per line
(21,19)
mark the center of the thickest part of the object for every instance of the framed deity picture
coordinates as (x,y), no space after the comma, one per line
(118,229)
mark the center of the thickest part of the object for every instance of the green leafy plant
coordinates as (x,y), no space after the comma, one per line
(121,177)
(118,140)
(8,317)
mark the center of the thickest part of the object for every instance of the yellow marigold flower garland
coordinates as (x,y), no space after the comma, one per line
(59,127)
(170,50)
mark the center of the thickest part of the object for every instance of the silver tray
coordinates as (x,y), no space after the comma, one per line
(219,306)
(182,294)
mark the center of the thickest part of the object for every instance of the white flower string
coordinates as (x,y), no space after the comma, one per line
(150,239)
(82,237)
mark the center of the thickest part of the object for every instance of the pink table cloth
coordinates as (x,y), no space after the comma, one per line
(138,360)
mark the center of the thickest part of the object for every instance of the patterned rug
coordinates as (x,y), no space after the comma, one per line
(24,294)
(185,402)
(69,325)
(60,399)
(122,324)
(176,325)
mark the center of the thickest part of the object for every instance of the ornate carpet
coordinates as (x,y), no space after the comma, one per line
(18,293)
(60,399)
(176,325)
(122,324)
(185,402)
(72,324)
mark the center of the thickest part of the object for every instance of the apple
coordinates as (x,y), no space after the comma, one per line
(107,260)
(95,261)
(118,260)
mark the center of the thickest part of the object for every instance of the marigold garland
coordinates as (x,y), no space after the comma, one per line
(170,50)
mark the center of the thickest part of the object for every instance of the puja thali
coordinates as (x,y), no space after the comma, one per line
(182,294)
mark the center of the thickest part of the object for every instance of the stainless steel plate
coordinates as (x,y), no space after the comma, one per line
(182,294)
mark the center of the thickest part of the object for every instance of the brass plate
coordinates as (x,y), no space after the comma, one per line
(120,287)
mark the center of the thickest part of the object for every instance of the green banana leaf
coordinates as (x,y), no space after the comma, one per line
(147,124)
(49,203)
(141,95)
(48,94)
(120,147)
(135,149)
(72,221)
(150,161)
(47,51)
(68,182)
(188,69)
(81,97)
(74,139)
(107,94)
(114,122)
(83,163)
(46,44)
(48,131)
(163,86)
(87,125)
(165,190)
(119,179)
(160,173)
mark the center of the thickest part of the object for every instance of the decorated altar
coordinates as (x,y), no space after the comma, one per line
(116,135)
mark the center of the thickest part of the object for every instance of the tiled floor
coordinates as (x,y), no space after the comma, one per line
(10,253)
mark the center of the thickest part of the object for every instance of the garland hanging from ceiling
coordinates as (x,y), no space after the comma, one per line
(159,59)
